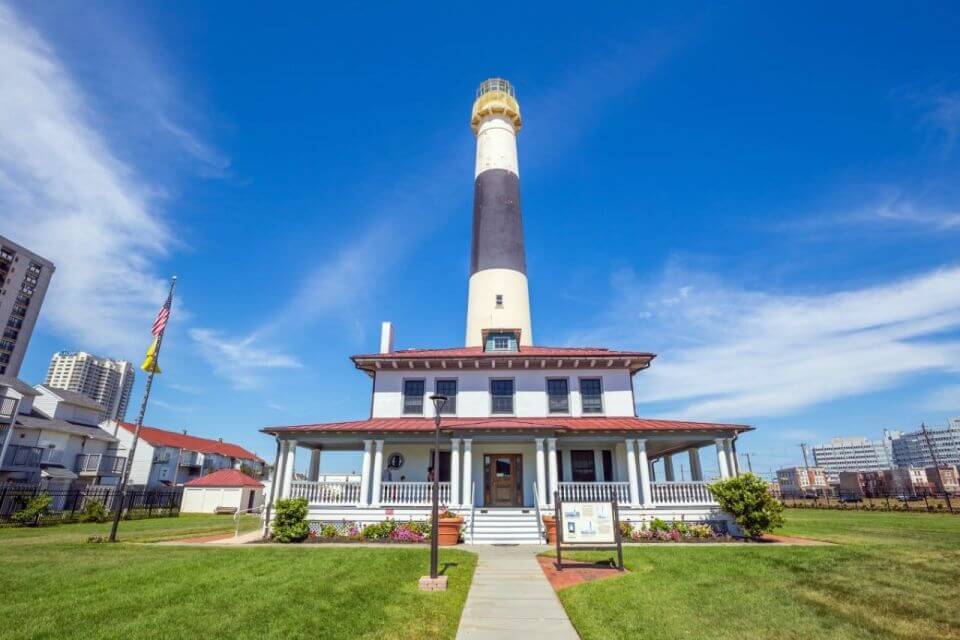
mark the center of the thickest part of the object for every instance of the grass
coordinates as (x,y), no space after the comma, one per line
(889,575)
(57,586)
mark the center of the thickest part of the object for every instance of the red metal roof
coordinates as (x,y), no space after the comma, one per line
(412,425)
(225,478)
(530,351)
(163,438)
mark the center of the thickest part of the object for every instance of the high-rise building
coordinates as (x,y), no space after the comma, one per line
(854,454)
(911,450)
(107,381)
(24,278)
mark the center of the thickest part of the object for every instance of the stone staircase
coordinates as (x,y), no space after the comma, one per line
(504,525)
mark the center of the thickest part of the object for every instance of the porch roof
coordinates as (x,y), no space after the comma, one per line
(556,424)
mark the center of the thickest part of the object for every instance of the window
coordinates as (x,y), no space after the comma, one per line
(501,395)
(501,341)
(591,395)
(499,300)
(413,397)
(558,395)
(583,467)
(448,388)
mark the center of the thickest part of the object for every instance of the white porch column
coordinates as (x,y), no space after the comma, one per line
(279,474)
(455,472)
(731,457)
(647,497)
(377,473)
(668,468)
(467,472)
(553,484)
(722,458)
(632,471)
(288,469)
(541,496)
(598,466)
(314,474)
(696,471)
(365,473)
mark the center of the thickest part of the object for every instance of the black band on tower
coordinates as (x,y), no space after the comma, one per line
(497,223)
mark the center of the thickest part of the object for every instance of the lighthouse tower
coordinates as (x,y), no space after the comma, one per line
(499,299)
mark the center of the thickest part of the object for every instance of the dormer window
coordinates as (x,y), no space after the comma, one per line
(501,341)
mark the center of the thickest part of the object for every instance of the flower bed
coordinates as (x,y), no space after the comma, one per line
(386,532)
(659,531)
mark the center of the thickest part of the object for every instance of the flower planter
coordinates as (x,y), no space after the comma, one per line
(449,534)
(550,524)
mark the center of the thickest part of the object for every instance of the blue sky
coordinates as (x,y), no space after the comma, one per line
(766,198)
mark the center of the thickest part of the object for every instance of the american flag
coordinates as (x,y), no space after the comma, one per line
(161,322)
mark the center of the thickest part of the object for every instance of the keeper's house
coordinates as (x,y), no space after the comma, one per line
(521,422)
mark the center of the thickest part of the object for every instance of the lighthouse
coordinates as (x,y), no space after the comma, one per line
(499,298)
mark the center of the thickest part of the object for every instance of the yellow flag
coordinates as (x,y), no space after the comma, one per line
(150,362)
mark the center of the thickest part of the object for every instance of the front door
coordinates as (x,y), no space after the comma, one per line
(503,480)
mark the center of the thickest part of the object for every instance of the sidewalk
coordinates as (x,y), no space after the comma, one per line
(510,597)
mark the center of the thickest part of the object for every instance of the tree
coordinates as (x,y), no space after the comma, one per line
(748,500)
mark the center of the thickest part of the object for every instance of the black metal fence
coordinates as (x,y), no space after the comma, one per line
(915,500)
(70,505)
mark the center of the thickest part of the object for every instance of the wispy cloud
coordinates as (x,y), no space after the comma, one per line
(240,360)
(67,195)
(942,113)
(945,398)
(732,353)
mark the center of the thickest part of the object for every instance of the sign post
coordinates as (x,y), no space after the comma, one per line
(594,525)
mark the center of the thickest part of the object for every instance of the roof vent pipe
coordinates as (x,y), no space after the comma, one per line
(386,337)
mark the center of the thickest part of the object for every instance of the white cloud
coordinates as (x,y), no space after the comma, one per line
(67,196)
(731,353)
(240,360)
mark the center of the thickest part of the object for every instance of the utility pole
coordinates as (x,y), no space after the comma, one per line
(936,465)
(749,461)
(803,448)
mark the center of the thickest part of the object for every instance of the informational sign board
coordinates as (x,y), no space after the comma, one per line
(588,522)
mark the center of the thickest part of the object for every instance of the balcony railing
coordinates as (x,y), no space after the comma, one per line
(99,464)
(681,493)
(412,493)
(20,456)
(326,492)
(595,491)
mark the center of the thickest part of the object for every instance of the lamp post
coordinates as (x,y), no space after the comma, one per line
(438,402)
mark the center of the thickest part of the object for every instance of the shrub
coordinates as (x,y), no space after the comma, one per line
(406,533)
(94,511)
(97,539)
(290,521)
(658,525)
(626,530)
(378,530)
(34,512)
(329,531)
(747,499)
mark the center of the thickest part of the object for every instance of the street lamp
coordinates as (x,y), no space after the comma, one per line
(438,402)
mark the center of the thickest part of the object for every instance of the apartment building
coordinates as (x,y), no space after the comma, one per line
(901,482)
(911,449)
(24,278)
(108,382)
(796,482)
(52,437)
(174,457)
(855,454)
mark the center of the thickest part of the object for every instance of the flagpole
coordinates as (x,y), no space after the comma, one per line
(136,432)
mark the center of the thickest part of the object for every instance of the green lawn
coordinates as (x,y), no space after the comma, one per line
(889,575)
(54,585)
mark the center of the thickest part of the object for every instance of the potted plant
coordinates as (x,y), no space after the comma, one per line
(550,524)
(448,525)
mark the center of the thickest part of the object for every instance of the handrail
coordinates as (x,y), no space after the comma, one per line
(236,518)
(536,504)
(473,507)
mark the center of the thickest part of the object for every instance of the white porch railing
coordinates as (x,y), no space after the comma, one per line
(326,492)
(595,491)
(681,493)
(412,493)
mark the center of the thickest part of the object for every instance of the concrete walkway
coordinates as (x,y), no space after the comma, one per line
(510,597)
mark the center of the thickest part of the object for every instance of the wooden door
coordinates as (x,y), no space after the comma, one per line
(503,480)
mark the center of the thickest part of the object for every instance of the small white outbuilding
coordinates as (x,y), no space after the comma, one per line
(226,489)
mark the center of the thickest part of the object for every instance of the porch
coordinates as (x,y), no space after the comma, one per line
(497,471)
